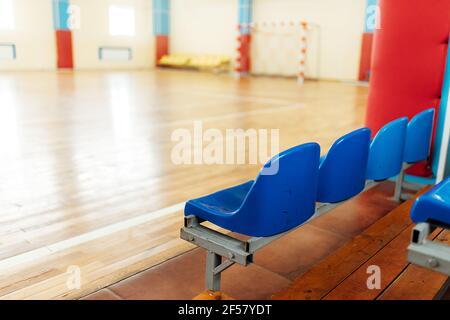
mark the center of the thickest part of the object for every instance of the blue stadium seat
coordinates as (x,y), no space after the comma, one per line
(342,172)
(418,137)
(277,201)
(386,151)
(433,206)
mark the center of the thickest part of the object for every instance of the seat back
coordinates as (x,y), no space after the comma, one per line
(342,172)
(418,137)
(386,151)
(434,205)
(284,193)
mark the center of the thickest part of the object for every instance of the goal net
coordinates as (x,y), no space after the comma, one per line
(285,49)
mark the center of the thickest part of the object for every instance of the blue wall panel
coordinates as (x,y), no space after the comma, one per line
(441,118)
(245,8)
(370,18)
(61,14)
(161,17)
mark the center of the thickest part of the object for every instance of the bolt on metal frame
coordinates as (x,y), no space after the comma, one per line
(427,253)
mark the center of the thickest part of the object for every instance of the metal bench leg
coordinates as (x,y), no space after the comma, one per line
(399,184)
(212,277)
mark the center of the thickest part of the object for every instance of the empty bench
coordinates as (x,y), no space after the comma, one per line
(297,186)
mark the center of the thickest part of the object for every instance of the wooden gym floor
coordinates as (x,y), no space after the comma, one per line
(328,258)
(275,267)
(87,186)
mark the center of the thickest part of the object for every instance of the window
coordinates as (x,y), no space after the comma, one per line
(6,15)
(121,21)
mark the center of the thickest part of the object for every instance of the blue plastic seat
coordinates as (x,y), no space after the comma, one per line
(418,137)
(434,205)
(386,151)
(342,172)
(275,202)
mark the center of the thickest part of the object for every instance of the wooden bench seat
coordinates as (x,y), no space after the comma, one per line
(344,273)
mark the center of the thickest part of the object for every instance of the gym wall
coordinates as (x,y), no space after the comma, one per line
(33,37)
(94,33)
(341,24)
(203,26)
(196,26)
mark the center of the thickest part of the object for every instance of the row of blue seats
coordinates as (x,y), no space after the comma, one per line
(273,204)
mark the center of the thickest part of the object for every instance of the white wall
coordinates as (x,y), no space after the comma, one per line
(204,26)
(197,26)
(341,24)
(94,33)
(33,36)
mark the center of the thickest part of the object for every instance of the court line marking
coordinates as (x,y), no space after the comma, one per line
(88,236)
(237,96)
(122,225)
(234,115)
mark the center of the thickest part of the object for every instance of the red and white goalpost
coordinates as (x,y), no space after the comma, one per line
(287,49)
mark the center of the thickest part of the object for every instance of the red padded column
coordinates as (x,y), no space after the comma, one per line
(64,49)
(162,47)
(366,56)
(243,59)
(409,56)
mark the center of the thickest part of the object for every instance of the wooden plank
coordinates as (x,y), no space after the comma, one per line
(329,273)
(392,261)
(212,295)
(417,283)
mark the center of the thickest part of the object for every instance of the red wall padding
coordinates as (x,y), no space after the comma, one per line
(408,61)
(243,53)
(366,56)
(64,49)
(162,46)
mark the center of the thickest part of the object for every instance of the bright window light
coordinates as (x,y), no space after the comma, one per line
(6,15)
(121,21)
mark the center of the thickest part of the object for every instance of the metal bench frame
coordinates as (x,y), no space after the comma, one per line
(400,183)
(234,250)
(427,253)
